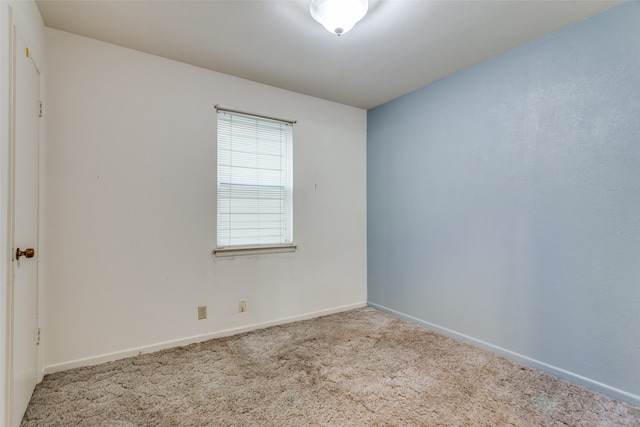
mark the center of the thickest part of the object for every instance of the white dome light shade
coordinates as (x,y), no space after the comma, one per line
(338,16)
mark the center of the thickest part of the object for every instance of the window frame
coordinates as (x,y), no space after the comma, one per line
(256,248)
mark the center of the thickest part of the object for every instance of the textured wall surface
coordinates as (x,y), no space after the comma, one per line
(130,206)
(504,203)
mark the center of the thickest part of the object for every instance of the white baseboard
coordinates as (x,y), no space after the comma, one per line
(545,367)
(96,360)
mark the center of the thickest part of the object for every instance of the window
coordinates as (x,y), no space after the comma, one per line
(255,181)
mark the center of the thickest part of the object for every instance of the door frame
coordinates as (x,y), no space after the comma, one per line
(15,27)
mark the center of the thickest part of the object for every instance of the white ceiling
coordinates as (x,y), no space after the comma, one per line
(399,46)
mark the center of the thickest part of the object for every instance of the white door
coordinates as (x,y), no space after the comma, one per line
(25,228)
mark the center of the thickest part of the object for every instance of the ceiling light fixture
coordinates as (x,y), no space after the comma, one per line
(338,16)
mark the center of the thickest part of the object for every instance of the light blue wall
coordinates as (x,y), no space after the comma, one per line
(504,204)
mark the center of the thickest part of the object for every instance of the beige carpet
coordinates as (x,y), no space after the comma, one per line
(359,368)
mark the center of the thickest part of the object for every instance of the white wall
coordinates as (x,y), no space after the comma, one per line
(24,15)
(130,206)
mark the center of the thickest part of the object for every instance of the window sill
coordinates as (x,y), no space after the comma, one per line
(253,250)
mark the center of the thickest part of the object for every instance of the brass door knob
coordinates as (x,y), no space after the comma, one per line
(29,253)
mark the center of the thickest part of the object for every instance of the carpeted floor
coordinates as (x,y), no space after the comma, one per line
(358,368)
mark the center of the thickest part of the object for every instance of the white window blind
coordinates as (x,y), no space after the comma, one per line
(255,180)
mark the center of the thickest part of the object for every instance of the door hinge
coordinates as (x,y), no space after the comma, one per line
(38,337)
(41,106)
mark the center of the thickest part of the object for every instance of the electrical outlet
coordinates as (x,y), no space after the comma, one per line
(242,306)
(202,312)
